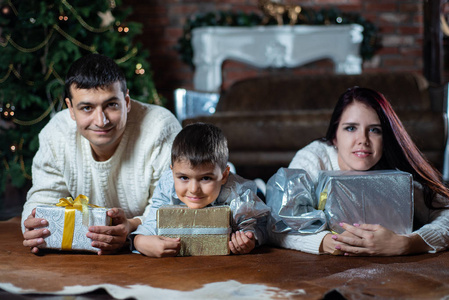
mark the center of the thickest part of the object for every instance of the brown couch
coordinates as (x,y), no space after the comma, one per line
(267,119)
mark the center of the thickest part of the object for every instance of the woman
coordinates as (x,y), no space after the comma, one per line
(365,134)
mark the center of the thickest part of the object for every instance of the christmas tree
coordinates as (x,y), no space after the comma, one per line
(39,40)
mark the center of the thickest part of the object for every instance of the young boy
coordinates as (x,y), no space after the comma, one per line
(200,177)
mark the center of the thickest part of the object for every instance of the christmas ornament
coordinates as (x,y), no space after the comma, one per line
(106,18)
(272,9)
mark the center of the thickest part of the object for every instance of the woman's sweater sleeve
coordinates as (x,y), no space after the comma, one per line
(435,232)
(309,243)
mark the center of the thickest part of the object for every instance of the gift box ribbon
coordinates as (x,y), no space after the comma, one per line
(80,203)
(323,200)
(194,231)
(321,206)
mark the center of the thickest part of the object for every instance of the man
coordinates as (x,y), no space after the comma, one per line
(105,146)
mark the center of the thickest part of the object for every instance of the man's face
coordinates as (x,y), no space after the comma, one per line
(198,186)
(100,116)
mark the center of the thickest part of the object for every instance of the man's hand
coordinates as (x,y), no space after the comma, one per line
(109,239)
(33,237)
(157,246)
(242,242)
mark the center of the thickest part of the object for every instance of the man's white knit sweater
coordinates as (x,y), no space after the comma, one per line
(319,156)
(64,165)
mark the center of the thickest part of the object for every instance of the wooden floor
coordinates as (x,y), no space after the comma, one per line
(284,273)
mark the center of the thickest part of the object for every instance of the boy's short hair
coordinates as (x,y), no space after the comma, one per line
(201,143)
(94,71)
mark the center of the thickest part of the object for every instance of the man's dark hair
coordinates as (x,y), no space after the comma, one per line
(201,143)
(94,71)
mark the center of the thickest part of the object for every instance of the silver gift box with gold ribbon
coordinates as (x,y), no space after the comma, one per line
(383,197)
(204,231)
(68,223)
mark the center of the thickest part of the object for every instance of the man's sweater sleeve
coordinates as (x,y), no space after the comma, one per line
(48,178)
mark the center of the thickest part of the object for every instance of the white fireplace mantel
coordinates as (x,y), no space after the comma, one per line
(273,46)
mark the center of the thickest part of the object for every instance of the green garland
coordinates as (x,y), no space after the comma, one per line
(331,16)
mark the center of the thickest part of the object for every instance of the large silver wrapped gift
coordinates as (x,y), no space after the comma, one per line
(68,225)
(382,197)
(291,197)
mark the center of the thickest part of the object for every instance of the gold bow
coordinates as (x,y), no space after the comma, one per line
(322,206)
(80,203)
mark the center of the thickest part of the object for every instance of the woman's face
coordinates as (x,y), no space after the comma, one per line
(359,138)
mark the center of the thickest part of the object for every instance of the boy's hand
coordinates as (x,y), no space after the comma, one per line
(157,246)
(242,242)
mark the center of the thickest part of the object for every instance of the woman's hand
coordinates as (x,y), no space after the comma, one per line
(330,245)
(372,240)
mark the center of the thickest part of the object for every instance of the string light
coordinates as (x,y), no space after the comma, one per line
(6,10)
(7,112)
(139,69)
(124,29)
(121,28)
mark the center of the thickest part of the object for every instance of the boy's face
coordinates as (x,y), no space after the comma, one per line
(199,186)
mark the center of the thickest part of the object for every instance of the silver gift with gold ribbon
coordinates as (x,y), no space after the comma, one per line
(69,221)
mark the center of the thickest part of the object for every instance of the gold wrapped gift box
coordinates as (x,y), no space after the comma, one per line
(204,231)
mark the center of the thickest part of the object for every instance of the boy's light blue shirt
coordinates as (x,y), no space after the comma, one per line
(249,213)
